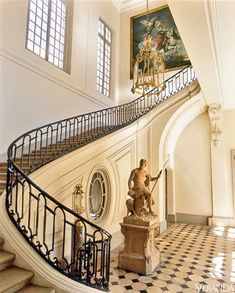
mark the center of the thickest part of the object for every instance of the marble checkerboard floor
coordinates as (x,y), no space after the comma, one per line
(194,259)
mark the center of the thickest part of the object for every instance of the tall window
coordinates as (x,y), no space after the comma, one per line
(104,59)
(47,29)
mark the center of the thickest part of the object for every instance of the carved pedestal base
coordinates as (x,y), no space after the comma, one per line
(139,254)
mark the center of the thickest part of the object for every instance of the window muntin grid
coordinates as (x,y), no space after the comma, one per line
(46,30)
(97,195)
(104,59)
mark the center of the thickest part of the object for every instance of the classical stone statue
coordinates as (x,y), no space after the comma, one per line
(139,191)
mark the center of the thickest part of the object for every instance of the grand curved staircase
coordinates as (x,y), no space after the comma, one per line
(84,251)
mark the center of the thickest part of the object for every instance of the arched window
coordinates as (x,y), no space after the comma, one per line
(47,30)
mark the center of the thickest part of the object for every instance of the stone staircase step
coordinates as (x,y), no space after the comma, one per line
(3,176)
(3,170)
(14,279)
(6,259)
(2,241)
(36,289)
(3,165)
(3,185)
(24,162)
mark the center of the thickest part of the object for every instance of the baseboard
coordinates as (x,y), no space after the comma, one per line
(191,219)
(220,221)
(171,218)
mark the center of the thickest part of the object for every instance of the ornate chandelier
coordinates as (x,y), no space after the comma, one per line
(149,65)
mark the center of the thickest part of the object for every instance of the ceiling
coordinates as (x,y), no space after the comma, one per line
(207,30)
(125,5)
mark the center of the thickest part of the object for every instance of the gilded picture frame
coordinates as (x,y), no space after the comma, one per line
(165,34)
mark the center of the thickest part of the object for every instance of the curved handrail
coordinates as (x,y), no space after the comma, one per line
(67,241)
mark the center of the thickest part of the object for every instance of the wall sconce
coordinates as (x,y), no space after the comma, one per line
(78,199)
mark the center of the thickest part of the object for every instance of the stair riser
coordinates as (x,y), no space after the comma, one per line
(1,244)
(18,286)
(6,265)
(36,289)
(3,176)
(3,165)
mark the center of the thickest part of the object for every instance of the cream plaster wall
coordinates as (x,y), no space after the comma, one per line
(192,168)
(228,129)
(222,186)
(203,171)
(35,92)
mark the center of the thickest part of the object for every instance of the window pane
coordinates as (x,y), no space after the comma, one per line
(103,58)
(38,19)
(41,30)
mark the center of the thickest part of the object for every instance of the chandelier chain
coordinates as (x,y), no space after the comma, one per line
(147,6)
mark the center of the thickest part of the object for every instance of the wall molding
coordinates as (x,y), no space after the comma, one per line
(212,24)
(60,194)
(128,149)
(21,61)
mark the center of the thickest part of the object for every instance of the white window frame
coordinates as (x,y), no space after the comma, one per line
(104,60)
(44,32)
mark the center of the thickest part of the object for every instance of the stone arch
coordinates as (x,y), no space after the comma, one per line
(174,127)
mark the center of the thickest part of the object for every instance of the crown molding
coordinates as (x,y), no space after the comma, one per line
(117,4)
(126,5)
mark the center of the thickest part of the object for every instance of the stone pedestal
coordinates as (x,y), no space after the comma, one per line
(139,254)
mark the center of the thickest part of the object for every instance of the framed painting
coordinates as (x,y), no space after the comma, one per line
(165,34)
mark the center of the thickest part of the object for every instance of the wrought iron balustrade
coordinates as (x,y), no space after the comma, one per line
(70,243)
